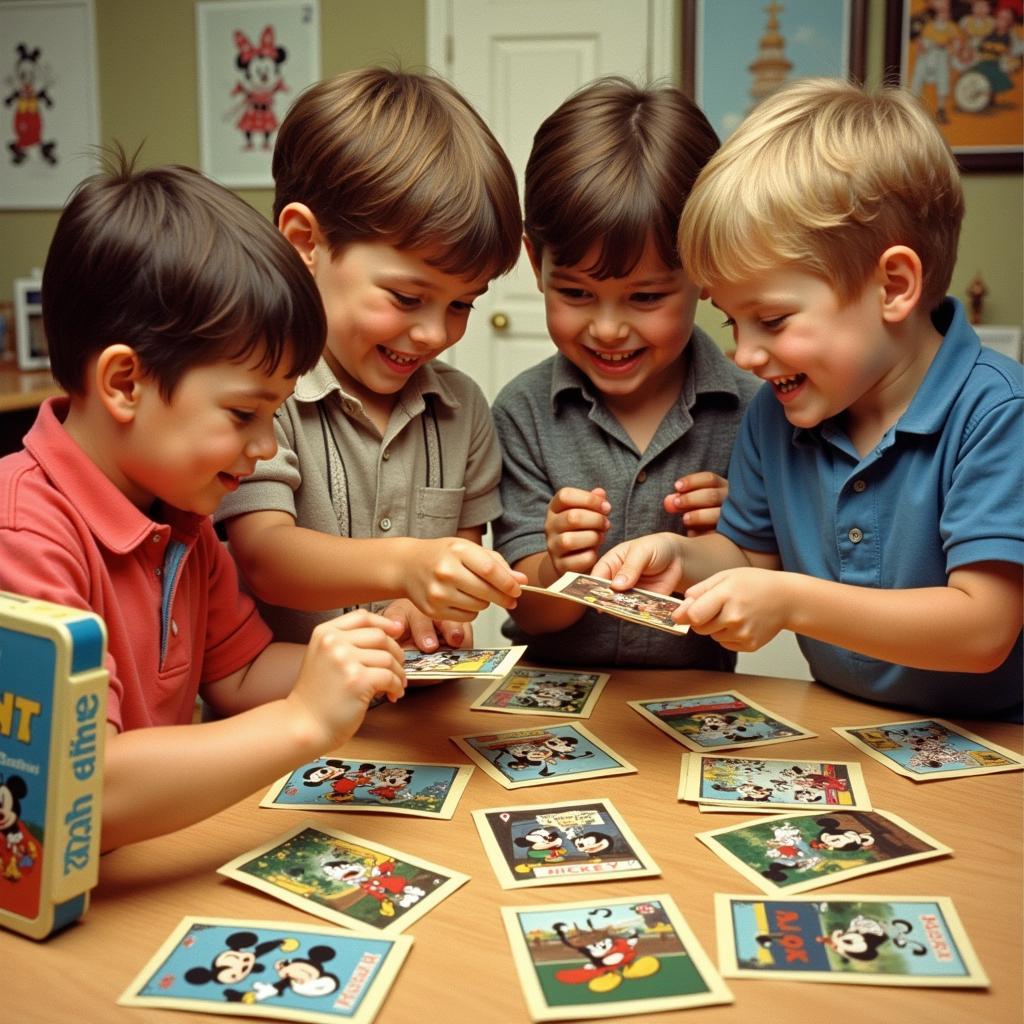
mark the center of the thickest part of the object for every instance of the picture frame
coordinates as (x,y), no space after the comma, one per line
(818,39)
(253,58)
(984,107)
(51,110)
(30,344)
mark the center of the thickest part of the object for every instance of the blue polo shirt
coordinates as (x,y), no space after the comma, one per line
(943,488)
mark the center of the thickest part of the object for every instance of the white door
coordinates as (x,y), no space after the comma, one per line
(516,61)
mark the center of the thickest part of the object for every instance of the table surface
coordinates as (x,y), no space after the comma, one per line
(460,964)
(24,389)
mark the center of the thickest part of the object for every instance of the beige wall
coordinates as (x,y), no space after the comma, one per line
(147,91)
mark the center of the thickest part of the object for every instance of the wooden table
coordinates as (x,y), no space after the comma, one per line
(24,389)
(460,968)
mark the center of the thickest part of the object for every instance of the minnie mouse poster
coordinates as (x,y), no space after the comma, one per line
(260,65)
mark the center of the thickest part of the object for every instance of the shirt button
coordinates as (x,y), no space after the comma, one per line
(859,485)
(641,476)
(386,455)
(155,538)
(174,627)
(385,523)
(855,535)
(158,571)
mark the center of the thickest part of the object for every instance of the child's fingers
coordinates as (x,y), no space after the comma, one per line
(574,497)
(422,631)
(563,545)
(455,634)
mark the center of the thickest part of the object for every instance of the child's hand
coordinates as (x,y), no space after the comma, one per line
(654,562)
(453,579)
(348,661)
(575,526)
(699,498)
(740,608)
(427,634)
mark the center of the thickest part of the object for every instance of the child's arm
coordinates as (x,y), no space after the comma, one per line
(969,625)
(448,578)
(697,499)
(574,529)
(160,779)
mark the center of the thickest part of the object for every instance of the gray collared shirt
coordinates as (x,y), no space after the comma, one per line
(433,472)
(555,431)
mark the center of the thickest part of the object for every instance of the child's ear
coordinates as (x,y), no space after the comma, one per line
(299,225)
(900,273)
(535,260)
(118,377)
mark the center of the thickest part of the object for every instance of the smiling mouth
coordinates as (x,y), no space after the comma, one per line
(398,358)
(616,358)
(786,384)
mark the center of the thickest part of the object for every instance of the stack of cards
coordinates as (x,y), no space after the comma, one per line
(543,691)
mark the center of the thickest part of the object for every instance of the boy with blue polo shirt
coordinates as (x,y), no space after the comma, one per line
(881,470)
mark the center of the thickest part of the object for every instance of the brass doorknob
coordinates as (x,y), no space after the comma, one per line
(499,321)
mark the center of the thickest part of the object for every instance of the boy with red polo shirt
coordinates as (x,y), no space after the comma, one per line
(177,320)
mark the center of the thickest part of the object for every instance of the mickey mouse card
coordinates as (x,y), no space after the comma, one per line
(270,969)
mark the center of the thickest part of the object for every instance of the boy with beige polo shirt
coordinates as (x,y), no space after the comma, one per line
(403,207)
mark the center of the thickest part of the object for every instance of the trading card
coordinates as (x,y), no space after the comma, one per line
(926,749)
(718,721)
(798,852)
(541,755)
(631,954)
(559,843)
(476,662)
(749,783)
(384,787)
(543,691)
(351,881)
(640,606)
(863,940)
(271,969)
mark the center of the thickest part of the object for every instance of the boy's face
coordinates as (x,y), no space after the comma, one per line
(389,312)
(191,451)
(822,357)
(627,334)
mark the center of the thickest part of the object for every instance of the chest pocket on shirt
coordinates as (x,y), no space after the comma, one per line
(438,510)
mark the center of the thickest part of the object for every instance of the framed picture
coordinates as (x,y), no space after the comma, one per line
(253,58)
(964,60)
(50,127)
(32,350)
(734,54)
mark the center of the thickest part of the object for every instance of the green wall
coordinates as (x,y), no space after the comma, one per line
(147,92)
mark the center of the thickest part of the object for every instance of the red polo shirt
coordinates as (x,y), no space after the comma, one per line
(68,535)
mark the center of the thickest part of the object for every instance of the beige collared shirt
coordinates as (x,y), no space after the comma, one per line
(435,470)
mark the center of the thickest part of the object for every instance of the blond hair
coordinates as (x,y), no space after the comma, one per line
(402,158)
(826,175)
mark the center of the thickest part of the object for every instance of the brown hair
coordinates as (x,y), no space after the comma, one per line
(180,269)
(825,176)
(400,157)
(612,167)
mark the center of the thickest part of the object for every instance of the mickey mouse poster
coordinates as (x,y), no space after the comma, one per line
(48,112)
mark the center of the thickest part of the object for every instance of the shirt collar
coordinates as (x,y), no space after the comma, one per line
(428,379)
(115,522)
(706,375)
